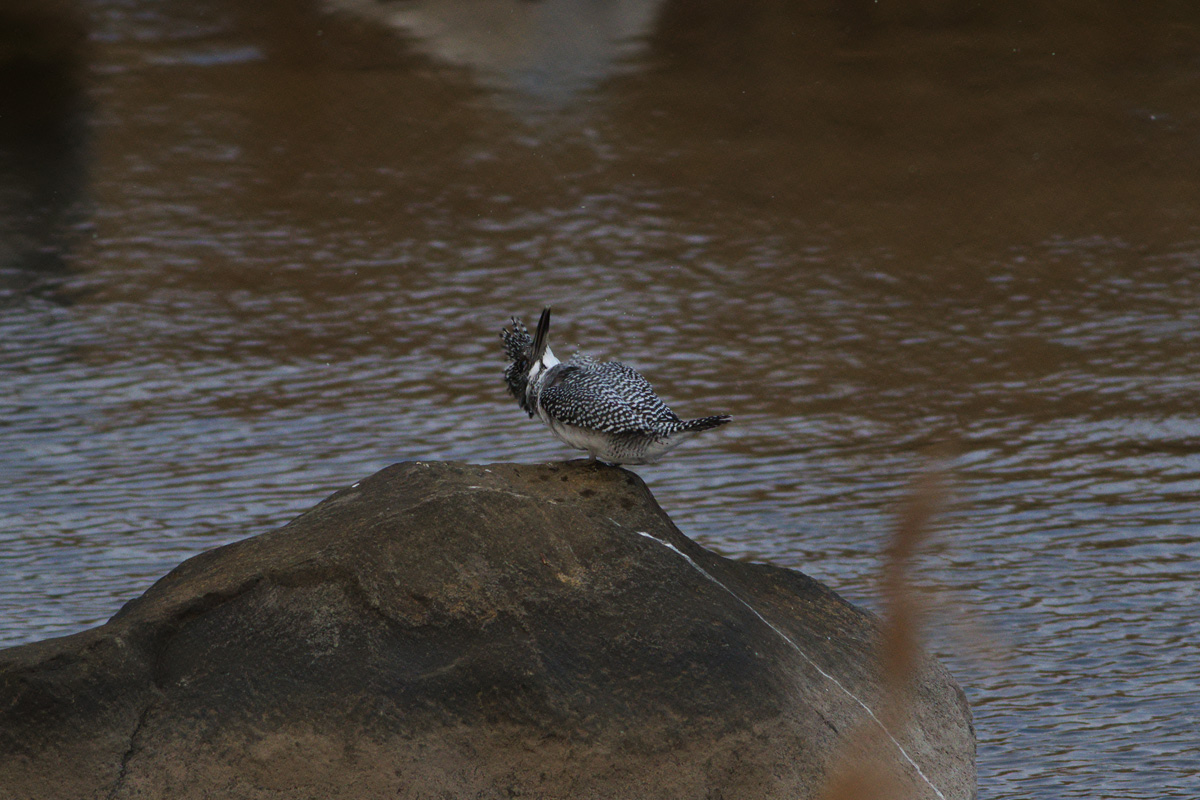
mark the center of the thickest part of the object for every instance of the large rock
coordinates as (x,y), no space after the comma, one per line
(456,631)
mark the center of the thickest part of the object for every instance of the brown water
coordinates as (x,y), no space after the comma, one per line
(251,255)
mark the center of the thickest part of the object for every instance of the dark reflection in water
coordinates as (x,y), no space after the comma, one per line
(865,232)
(41,144)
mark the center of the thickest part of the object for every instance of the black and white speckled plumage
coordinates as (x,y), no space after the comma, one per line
(517,346)
(609,397)
(605,408)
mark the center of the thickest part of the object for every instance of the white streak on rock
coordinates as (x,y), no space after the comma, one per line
(802,654)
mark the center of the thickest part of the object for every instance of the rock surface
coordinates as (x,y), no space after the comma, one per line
(457,631)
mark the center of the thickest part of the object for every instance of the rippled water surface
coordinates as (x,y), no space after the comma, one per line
(251,254)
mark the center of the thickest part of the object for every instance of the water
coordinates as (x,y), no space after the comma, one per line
(251,255)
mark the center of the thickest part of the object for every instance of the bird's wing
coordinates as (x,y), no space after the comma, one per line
(637,390)
(610,398)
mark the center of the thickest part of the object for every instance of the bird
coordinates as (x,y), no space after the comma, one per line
(604,407)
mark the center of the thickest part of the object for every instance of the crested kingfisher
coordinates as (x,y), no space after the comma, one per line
(605,408)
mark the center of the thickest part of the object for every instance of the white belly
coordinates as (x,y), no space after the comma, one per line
(597,444)
(613,449)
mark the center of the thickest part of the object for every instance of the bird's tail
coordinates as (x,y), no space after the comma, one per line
(706,423)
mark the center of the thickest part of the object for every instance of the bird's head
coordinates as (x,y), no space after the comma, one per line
(528,357)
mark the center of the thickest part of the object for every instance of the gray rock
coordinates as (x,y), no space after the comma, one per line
(457,631)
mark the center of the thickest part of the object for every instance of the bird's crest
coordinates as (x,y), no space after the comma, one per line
(516,374)
(524,352)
